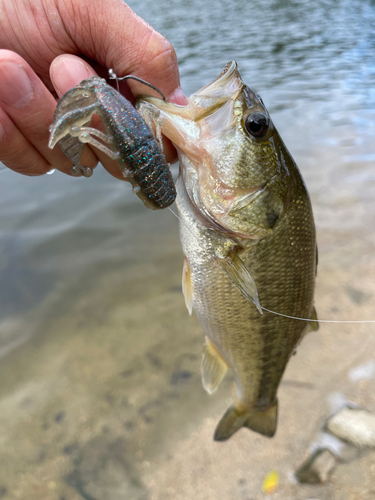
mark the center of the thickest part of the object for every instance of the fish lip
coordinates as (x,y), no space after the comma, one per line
(227,73)
(223,88)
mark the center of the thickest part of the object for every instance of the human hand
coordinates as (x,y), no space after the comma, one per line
(39,44)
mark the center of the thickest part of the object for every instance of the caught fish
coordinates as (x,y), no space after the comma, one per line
(248,237)
(126,139)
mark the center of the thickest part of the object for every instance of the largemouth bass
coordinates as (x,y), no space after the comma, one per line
(248,237)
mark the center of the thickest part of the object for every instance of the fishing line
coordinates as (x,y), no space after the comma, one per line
(319,320)
(295,317)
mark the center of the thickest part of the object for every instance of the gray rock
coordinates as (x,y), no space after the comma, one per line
(317,468)
(355,426)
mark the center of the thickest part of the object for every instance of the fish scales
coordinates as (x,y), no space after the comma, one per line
(248,237)
(280,271)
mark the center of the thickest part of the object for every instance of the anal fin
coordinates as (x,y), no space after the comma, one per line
(213,367)
(187,286)
(240,276)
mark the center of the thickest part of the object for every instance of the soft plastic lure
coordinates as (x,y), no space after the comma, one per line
(126,139)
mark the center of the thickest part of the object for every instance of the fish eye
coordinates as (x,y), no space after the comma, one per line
(257,124)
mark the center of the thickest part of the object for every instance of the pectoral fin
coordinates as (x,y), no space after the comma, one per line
(187,286)
(240,276)
(313,325)
(213,367)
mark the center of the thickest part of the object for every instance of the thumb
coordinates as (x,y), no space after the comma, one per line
(109,32)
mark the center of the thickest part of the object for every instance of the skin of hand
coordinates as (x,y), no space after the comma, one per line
(50,46)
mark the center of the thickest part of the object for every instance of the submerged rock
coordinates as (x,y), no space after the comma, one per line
(355,426)
(317,468)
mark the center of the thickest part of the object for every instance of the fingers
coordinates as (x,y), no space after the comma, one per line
(121,40)
(108,32)
(15,148)
(27,109)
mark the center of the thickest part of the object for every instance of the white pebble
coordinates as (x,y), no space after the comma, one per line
(354,426)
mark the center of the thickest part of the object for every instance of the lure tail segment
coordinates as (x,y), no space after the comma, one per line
(263,422)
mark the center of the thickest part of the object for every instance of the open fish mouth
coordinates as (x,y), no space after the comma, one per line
(209,98)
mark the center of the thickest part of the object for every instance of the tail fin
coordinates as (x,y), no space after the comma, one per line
(263,422)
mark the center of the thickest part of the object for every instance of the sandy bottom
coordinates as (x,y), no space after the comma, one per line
(104,400)
(100,392)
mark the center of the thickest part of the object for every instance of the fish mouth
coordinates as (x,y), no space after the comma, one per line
(225,87)
(212,112)
(224,81)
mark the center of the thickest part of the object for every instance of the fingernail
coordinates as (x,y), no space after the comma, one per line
(15,86)
(68,71)
(178,97)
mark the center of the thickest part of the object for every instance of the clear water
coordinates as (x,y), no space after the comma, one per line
(100,394)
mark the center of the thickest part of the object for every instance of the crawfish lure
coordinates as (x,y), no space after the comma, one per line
(126,138)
